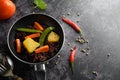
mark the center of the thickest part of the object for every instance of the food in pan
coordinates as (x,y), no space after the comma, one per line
(36,43)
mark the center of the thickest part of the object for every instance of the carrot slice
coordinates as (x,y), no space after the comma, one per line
(44,48)
(18,45)
(38,26)
(35,35)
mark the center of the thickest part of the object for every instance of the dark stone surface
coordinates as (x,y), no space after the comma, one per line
(99,21)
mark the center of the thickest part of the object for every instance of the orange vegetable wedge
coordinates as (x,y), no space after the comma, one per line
(34,35)
(18,45)
(38,26)
(44,48)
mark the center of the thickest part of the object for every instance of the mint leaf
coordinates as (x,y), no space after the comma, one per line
(40,4)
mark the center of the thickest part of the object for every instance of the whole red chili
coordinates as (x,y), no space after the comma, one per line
(72,58)
(71,23)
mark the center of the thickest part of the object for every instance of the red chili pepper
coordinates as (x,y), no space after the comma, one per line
(72,58)
(72,24)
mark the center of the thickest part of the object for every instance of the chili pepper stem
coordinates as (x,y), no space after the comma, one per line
(81,34)
(72,67)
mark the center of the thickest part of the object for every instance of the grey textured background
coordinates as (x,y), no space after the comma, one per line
(100,23)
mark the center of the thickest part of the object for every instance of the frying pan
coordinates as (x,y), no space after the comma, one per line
(29,20)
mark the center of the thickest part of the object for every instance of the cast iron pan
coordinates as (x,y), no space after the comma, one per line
(29,20)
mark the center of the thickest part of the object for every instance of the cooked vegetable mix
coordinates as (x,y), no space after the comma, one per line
(37,44)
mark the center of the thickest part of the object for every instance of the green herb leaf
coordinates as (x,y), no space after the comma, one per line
(40,4)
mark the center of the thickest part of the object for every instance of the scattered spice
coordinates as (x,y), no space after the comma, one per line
(68,44)
(78,14)
(77,21)
(56,63)
(87,48)
(95,73)
(59,56)
(86,41)
(71,49)
(86,51)
(68,13)
(87,54)
(108,54)
(81,39)
(83,50)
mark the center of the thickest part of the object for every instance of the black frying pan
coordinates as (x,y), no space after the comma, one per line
(29,20)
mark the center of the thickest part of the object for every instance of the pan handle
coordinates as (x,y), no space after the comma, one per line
(40,71)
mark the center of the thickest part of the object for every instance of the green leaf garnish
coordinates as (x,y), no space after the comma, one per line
(40,4)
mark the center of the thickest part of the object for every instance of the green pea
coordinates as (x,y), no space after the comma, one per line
(44,34)
(28,30)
